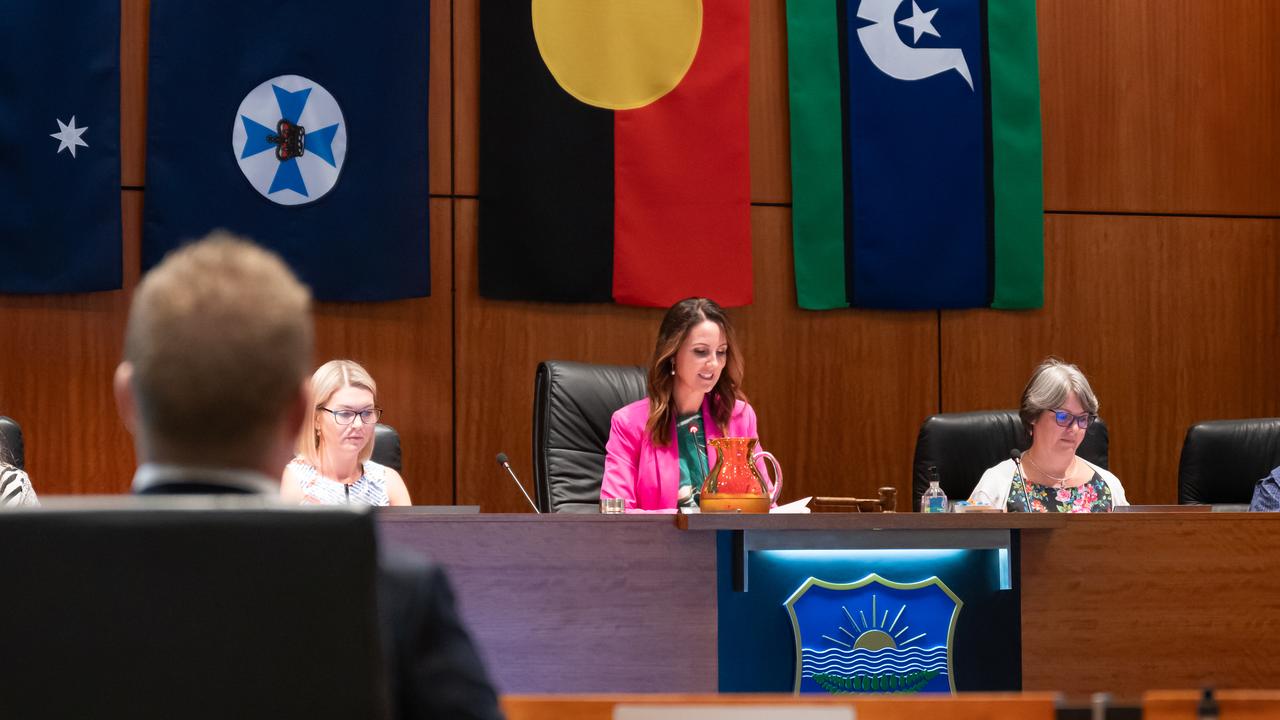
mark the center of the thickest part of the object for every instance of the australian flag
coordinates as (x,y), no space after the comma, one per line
(302,125)
(59,146)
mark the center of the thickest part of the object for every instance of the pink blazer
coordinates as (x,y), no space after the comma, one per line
(647,477)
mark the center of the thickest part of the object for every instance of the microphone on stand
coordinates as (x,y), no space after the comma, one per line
(1016,455)
(506,465)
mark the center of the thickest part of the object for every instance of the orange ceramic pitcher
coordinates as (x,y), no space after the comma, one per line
(734,484)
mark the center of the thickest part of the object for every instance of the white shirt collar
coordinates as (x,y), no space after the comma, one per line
(149,475)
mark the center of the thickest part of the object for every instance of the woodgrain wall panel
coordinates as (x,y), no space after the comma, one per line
(1173,319)
(135,22)
(466,97)
(440,100)
(768,121)
(407,346)
(770,113)
(1161,105)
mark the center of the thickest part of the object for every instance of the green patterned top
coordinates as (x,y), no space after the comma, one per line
(693,458)
(1093,496)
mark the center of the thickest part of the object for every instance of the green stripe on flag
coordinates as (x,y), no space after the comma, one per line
(817,155)
(1015,137)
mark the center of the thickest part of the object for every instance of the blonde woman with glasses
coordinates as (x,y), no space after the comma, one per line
(336,441)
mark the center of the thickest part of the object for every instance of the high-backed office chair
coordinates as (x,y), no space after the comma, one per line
(169,608)
(386,447)
(1223,459)
(963,445)
(11,448)
(573,404)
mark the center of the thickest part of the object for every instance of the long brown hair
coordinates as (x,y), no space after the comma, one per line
(677,323)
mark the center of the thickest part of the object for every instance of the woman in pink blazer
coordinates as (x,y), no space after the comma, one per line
(657,455)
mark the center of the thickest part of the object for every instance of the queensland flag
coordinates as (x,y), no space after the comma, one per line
(302,125)
(916,153)
(59,146)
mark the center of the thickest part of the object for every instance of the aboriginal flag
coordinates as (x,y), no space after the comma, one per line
(915,153)
(614,151)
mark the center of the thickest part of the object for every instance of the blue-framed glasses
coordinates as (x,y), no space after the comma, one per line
(1064,419)
(368,416)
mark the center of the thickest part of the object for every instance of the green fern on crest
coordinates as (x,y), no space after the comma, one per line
(911,682)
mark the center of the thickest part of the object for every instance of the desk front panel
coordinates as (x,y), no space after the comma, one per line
(1120,603)
(1130,602)
(578,604)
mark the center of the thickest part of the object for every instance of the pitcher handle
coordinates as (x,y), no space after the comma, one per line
(774,487)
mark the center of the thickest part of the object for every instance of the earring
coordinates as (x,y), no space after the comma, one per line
(673,366)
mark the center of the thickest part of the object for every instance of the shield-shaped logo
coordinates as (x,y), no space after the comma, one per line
(874,636)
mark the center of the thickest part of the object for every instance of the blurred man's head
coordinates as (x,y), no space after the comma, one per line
(216,358)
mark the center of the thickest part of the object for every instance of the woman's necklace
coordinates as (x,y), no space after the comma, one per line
(1058,480)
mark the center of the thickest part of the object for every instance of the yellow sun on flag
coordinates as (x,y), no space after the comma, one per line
(618,54)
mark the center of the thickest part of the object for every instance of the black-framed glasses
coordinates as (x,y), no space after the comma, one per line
(1064,419)
(346,417)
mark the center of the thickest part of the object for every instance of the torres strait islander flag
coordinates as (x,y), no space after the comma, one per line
(614,152)
(915,153)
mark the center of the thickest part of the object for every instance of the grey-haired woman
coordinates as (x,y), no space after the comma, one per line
(1057,408)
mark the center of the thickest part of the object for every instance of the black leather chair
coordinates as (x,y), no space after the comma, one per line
(386,447)
(1223,459)
(185,608)
(963,445)
(572,407)
(11,448)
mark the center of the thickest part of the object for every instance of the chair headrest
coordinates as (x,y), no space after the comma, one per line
(386,447)
(1223,459)
(573,407)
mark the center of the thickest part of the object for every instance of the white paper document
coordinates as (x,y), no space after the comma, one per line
(799,506)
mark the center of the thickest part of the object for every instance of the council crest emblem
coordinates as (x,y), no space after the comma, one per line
(290,140)
(873,636)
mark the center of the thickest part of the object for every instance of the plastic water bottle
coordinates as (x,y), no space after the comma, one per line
(933,500)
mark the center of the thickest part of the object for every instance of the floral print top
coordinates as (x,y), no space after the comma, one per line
(1093,496)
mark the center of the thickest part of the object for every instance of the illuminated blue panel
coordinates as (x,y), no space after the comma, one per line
(758,641)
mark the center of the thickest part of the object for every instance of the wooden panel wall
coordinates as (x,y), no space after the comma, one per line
(1162,200)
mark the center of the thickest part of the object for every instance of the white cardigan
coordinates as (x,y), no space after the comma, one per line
(997,481)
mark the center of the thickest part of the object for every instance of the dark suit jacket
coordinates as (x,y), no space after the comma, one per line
(434,669)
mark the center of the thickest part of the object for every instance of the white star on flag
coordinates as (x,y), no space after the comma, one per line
(68,136)
(920,22)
